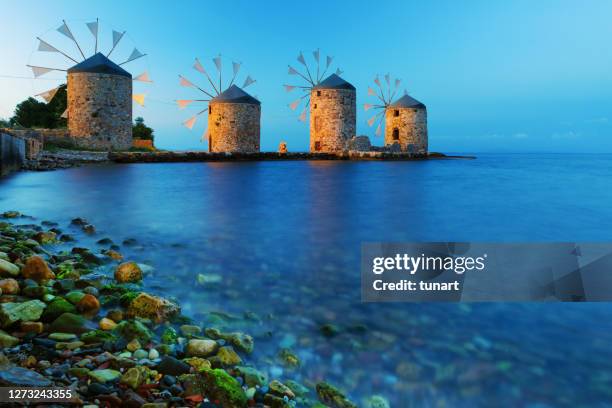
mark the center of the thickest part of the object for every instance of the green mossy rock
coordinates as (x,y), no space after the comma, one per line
(8,269)
(97,336)
(29,311)
(56,308)
(105,375)
(133,329)
(74,296)
(228,357)
(223,387)
(332,397)
(135,376)
(169,336)
(252,376)
(6,340)
(69,323)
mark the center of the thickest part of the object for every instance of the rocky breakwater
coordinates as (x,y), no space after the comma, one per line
(171,157)
(63,159)
(79,318)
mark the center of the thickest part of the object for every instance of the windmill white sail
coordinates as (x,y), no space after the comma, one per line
(311,76)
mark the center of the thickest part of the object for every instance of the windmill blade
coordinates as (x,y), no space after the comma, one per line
(218,63)
(93,28)
(397,83)
(367,106)
(371,92)
(65,30)
(139,99)
(302,117)
(293,71)
(329,61)
(315,54)
(289,88)
(133,56)
(190,122)
(388,79)
(144,77)
(185,82)
(248,81)
(377,81)
(373,118)
(48,95)
(65,114)
(236,67)
(205,135)
(293,105)
(197,65)
(117,36)
(301,59)
(339,72)
(183,103)
(38,71)
(46,47)
(378,129)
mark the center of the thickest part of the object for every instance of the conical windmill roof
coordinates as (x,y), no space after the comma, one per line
(234,94)
(334,82)
(407,101)
(99,64)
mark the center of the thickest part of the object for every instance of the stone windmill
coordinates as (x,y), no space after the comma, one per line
(233,115)
(405,119)
(331,102)
(99,90)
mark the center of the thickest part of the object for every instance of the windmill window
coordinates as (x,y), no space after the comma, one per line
(396,112)
(318,93)
(315,106)
(395,134)
(209,110)
(317,146)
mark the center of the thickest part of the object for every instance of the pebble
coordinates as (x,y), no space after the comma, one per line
(153,354)
(107,324)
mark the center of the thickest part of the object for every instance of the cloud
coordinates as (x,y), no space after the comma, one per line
(566,135)
(599,121)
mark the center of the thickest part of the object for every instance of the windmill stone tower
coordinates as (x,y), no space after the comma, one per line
(406,125)
(333,114)
(234,122)
(100,104)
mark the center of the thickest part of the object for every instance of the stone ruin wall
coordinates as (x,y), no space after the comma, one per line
(333,119)
(411,124)
(100,111)
(234,127)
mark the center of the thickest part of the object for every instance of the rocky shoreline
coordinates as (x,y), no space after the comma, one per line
(63,159)
(80,319)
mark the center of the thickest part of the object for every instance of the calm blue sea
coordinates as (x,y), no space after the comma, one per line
(284,238)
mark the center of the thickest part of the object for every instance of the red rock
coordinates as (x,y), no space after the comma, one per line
(9,286)
(89,304)
(37,269)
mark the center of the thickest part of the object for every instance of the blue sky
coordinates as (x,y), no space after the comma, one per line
(496,76)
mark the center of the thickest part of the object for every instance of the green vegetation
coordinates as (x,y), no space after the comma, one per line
(34,114)
(142,131)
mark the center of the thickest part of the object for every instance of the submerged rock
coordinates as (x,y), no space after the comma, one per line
(26,312)
(239,340)
(37,269)
(133,329)
(171,366)
(201,347)
(104,375)
(128,272)
(331,396)
(152,307)
(6,340)
(228,357)
(8,268)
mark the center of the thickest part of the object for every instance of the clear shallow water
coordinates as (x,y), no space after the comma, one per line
(285,236)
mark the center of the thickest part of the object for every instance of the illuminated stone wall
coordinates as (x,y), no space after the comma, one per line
(333,119)
(100,110)
(234,127)
(408,128)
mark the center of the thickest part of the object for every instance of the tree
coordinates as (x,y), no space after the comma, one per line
(34,114)
(141,131)
(4,123)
